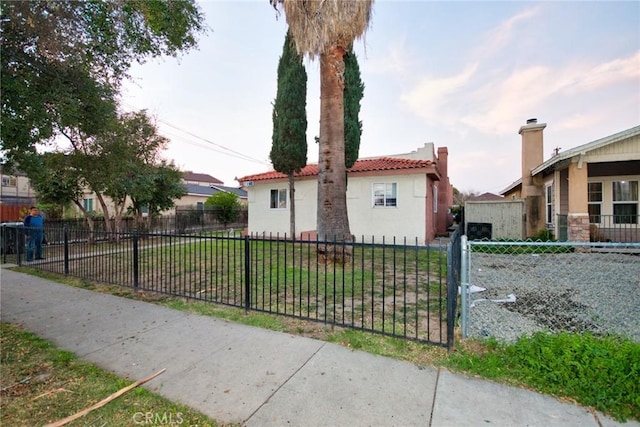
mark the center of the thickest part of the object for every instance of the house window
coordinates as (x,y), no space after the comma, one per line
(87,204)
(200,206)
(548,191)
(278,199)
(385,194)
(595,202)
(625,202)
(8,181)
(435,199)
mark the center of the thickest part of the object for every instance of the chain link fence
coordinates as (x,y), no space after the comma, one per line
(512,289)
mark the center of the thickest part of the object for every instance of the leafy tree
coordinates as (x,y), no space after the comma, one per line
(129,159)
(289,139)
(63,61)
(155,188)
(327,30)
(226,206)
(59,183)
(353,93)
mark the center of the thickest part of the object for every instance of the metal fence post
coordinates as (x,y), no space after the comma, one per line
(464,287)
(65,248)
(247,274)
(453,284)
(136,276)
(20,238)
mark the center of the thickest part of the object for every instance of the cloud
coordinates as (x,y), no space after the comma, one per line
(491,96)
(427,98)
(595,76)
(499,37)
(396,60)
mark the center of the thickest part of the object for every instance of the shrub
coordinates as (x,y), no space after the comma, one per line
(226,206)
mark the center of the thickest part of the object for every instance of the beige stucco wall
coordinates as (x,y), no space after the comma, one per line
(506,217)
(407,219)
(16,186)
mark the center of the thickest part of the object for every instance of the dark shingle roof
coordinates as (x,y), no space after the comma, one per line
(200,177)
(202,190)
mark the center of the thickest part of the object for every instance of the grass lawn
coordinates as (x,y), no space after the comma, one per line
(40,384)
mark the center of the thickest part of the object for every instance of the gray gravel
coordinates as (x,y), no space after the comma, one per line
(575,292)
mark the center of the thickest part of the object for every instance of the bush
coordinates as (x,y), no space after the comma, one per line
(226,206)
(544,236)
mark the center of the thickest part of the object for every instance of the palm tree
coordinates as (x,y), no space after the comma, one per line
(326,29)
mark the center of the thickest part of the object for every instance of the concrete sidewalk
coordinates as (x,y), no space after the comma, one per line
(255,377)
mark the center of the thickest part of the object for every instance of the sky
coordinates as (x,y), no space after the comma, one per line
(463,75)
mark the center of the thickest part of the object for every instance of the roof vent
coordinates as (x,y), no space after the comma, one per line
(532,121)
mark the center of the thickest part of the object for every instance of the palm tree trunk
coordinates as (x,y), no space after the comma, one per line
(333,221)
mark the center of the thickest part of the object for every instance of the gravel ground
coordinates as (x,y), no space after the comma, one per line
(575,292)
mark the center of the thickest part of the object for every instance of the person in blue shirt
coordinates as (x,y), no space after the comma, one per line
(34,231)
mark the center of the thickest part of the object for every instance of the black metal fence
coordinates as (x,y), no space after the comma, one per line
(391,288)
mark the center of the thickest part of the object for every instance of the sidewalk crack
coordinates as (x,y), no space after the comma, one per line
(284,383)
(433,400)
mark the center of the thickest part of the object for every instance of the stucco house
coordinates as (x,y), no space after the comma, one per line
(397,196)
(586,193)
(198,194)
(16,195)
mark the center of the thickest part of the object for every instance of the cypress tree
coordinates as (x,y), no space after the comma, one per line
(289,139)
(353,93)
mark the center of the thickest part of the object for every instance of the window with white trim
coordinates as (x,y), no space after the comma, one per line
(385,194)
(595,202)
(278,199)
(625,202)
(8,181)
(87,204)
(548,196)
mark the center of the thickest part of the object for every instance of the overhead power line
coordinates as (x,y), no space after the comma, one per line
(226,150)
(221,148)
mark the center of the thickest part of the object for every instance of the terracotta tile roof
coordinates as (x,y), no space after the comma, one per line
(364,165)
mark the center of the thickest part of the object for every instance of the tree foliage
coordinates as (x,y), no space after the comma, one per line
(226,206)
(353,93)
(63,61)
(57,182)
(289,138)
(131,168)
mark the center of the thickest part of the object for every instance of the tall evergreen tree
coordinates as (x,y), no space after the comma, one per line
(289,139)
(353,93)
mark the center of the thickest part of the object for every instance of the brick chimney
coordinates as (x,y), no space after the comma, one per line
(532,192)
(445,192)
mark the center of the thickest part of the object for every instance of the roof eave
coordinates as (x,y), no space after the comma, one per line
(583,149)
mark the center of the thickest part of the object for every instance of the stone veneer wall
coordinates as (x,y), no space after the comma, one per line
(578,227)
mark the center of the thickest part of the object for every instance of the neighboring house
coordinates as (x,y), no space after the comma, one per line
(587,193)
(485,197)
(201,179)
(199,187)
(398,196)
(198,194)
(16,195)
